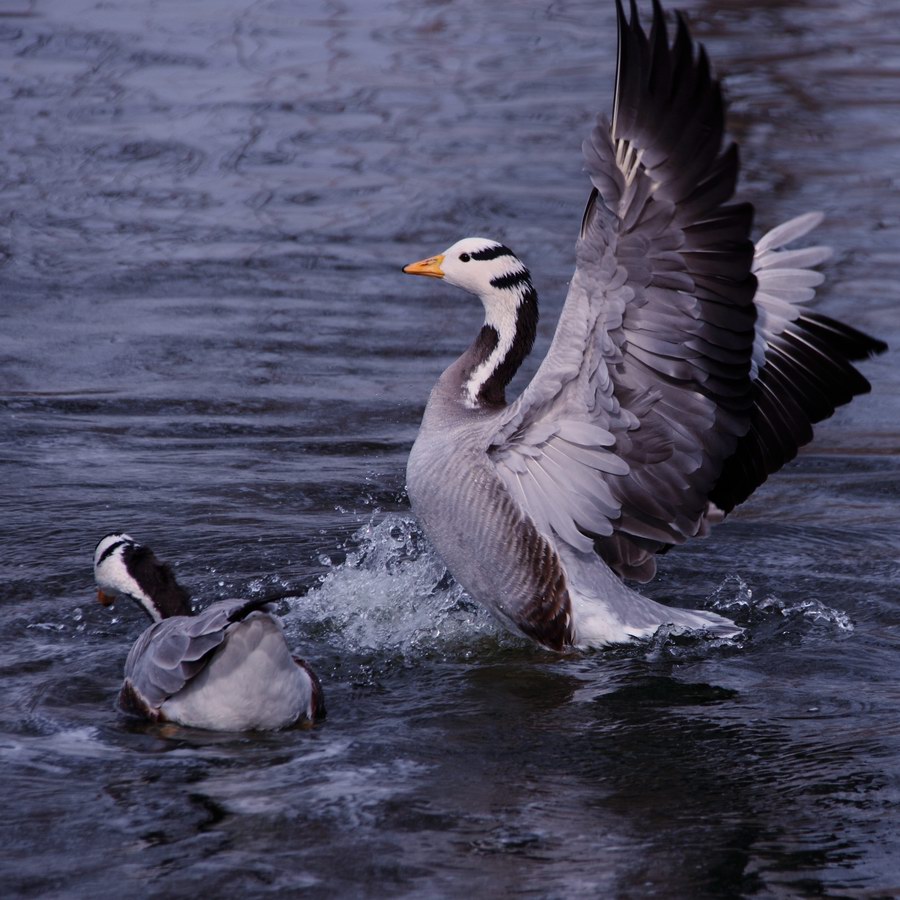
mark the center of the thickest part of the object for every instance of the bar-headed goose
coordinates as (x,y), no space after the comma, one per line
(227,668)
(684,370)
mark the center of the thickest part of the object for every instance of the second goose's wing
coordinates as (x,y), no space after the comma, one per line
(646,389)
(172,652)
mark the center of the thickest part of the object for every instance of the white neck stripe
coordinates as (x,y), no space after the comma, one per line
(503,317)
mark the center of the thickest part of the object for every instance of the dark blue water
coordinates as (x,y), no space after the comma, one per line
(205,340)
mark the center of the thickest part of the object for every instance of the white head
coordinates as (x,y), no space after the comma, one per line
(500,279)
(479,265)
(125,568)
(110,572)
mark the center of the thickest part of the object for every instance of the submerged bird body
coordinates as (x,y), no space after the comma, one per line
(227,668)
(684,370)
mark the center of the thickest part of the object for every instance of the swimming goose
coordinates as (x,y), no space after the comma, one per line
(684,370)
(227,668)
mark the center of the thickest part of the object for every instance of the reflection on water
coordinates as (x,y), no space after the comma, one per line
(205,341)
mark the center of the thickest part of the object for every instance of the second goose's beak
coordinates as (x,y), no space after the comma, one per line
(430,266)
(105,599)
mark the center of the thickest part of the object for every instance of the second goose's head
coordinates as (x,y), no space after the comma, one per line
(125,568)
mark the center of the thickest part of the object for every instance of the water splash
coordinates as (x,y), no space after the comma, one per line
(392,594)
(734,598)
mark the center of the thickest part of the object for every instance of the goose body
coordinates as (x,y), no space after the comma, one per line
(684,370)
(228,668)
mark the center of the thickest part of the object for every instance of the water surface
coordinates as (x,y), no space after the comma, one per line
(205,340)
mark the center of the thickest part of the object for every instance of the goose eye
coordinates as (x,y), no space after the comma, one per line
(464,257)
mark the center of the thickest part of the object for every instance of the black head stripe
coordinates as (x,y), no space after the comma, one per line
(511,279)
(491,253)
(111,549)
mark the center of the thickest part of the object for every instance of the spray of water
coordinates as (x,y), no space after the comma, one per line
(736,599)
(393,595)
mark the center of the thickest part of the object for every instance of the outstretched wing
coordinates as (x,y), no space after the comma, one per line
(170,653)
(684,369)
(646,390)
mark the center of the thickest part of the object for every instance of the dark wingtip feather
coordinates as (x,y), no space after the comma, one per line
(851,343)
(588,211)
(621,21)
(263,603)
(806,377)
(635,19)
(253,605)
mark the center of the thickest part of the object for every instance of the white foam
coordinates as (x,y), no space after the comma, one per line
(392,594)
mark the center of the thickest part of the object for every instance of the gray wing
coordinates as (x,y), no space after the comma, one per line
(170,653)
(646,389)
(684,369)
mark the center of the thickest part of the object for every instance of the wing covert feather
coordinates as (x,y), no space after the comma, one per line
(168,654)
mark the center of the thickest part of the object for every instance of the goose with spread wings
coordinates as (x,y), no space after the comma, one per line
(685,369)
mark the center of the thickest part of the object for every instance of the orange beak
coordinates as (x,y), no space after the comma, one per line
(430,267)
(105,599)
